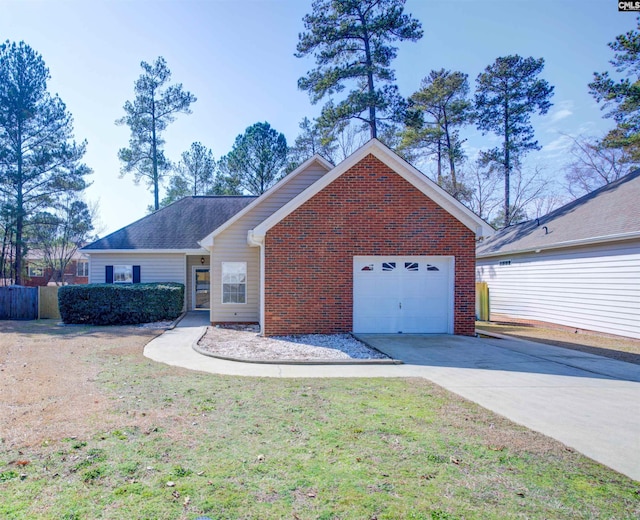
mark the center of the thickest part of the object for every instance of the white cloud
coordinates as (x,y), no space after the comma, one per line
(561,114)
(558,145)
(562,110)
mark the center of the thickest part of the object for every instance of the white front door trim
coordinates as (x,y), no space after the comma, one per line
(194,269)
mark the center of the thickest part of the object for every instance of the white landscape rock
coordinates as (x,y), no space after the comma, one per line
(245,343)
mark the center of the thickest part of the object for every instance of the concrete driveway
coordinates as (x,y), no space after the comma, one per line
(587,402)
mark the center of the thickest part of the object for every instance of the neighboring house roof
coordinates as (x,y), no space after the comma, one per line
(609,213)
(398,165)
(178,226)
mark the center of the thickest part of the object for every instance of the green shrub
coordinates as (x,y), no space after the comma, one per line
(115,304)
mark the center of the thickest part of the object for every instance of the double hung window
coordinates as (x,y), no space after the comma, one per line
(234,282)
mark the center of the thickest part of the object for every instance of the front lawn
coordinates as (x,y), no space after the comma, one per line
(91,429)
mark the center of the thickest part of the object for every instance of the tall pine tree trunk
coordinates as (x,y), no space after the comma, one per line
(19,233)
(19,210)
(507,165)
(452,165)
(370,85)
(154,153)
(439,162)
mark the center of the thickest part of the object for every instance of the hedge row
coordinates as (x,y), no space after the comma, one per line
(115,304)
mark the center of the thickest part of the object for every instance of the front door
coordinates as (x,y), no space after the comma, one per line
(201,285)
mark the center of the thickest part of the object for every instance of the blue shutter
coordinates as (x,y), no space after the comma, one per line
(136,274)
(108,274)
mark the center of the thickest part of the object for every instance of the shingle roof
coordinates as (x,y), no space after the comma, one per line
(610,211)
(177,226)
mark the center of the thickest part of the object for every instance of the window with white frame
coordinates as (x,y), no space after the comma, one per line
(83,268)
(234,282)
(122,274)
(35,271)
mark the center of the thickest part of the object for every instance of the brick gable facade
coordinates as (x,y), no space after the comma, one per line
(368,210)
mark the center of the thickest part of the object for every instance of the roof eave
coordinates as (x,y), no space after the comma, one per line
(145,251)
(566,244)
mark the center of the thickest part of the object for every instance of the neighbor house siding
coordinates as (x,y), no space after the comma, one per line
(595,288)
(154,267)
(231,246)
(368,210)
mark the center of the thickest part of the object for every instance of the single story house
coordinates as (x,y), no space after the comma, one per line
(369,245)
(577,266)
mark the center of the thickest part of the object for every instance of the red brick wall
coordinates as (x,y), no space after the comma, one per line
(70,277)
(369,210)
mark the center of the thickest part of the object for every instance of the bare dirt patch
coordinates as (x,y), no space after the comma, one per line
(606,345)
(243,342)
(48,373)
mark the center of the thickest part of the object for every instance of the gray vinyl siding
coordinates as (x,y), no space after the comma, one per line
(595,288)
(236,312)
(231,246)
(154,267)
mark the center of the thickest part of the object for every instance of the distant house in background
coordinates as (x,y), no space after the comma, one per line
(77,271)
(577,266)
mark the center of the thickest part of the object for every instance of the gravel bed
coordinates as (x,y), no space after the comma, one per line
(244,343)
(156,325)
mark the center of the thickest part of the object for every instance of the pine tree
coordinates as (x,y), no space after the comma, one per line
(438,110)
(39,160)
(257,159)
(193,175)
(508,92)
(622,97)
(154,107)
(351,41)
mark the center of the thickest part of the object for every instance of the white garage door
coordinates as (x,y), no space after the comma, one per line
(409,294)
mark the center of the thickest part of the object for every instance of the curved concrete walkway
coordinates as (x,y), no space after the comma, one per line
(587,402)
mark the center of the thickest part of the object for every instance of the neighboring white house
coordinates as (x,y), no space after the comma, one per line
(577,266)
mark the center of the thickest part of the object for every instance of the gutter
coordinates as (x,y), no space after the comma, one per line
(143,251)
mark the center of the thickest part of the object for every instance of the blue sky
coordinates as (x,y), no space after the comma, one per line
(237,58)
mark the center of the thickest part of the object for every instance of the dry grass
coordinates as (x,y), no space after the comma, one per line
(48,375)
(92,429)
(607,345)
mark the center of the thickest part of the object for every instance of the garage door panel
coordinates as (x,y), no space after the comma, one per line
(402,294)
(379,306)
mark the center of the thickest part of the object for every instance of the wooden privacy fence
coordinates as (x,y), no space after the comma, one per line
(48,303)
(29,303)
(18,303)
(483,312)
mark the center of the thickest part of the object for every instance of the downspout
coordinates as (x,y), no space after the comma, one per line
(257,240)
